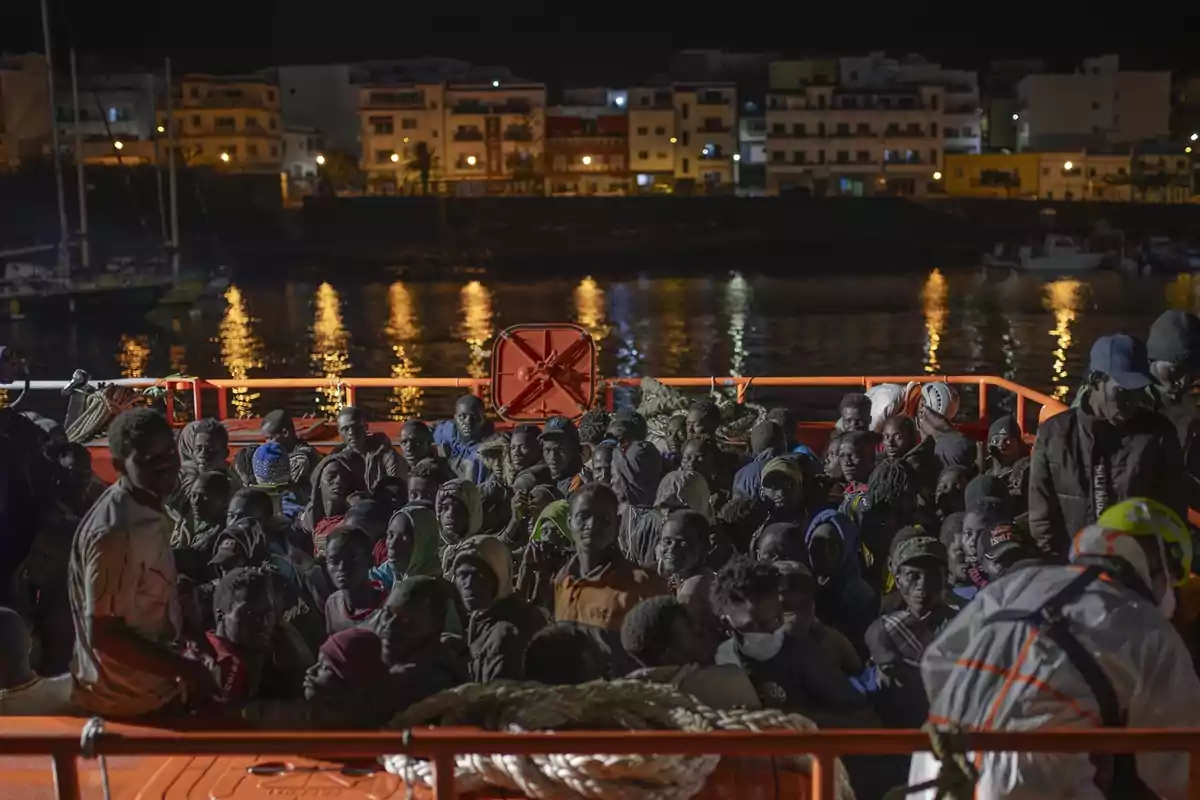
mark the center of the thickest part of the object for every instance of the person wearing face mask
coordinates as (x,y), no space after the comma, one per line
(1086,645)
(787,672)
(1008,460)
(1173,348)
(1108,447)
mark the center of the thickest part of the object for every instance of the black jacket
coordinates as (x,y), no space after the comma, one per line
(1145,460)
(498,637)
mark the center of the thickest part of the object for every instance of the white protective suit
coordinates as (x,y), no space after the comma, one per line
(1135,646)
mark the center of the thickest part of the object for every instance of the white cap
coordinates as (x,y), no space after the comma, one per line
(940,398)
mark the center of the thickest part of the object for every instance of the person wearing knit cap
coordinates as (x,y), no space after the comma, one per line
(1008,459)
(1173,348)
(767,441)
(985,486)
(349,658)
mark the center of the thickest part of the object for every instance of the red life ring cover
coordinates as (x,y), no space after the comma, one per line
(541,371)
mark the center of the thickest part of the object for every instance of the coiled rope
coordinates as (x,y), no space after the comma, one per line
(100,408)
(600,705)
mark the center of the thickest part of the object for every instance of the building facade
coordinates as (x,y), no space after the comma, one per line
(25,109)
(1097,106)
(683,137)
(227,122)
(1080,175)
(653,138)
(322,98)
(828,140)
(116,116)
(1000,175)
(587,151)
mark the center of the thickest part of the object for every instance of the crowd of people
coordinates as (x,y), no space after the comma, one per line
(904,575)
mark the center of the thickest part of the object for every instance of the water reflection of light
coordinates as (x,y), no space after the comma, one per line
(589,310)
(330,342)
(403,331)
(737,306)
(1064,298)
(673,333)
(1181,292)
(241,350)
(132,358)
(933,303)
(476,329)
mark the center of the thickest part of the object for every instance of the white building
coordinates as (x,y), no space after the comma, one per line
(300,148)
(1098,104)
(684,136)
(322,97)
(963,112)
(829,140)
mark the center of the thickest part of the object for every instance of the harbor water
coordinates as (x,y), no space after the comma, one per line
(1026,328)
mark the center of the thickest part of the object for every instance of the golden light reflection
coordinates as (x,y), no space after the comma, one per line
(241,350)
(1181,292)
(933,304)
(135,352)
(403,331)
(737,306)
(590,310)
(673,320)
(476,329)
(1064,298)
(330,343)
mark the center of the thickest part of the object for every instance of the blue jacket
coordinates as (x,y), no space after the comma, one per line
(462,457)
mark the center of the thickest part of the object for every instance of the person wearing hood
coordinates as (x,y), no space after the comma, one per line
(678,491)
(636,474)
(459,510)
(333,481)
(1173,348)
(782,490)
(902,441)
(545,554)
(1083,646)
(562,454)
(413,539)
(376,457)
(844,600)
(203,447)
(1108,447)
(950,495)
(461,437)
(500,622)
(767,441)
(1008,460)
(897,640)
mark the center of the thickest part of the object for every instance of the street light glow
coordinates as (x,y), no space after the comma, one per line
(119,144)
(320,159)
(406,140)
(737,156)
(1016,117)
(1195,136)
(161,129)
(495,84)
(225,157)
(1187,149)
(586,160)
(937,176)
(395,157)
(471,161)
(1068,165)
(673,140)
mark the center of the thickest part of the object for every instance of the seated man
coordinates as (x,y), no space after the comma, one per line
(460,438)
(659,634)
(204,516)
(378,457)
(564,654)
(786,673)
(349,565)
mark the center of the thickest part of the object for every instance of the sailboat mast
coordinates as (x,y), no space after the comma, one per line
(64,262)
(172,186)
(84,250)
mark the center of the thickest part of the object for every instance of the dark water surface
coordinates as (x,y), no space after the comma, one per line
(1031,330)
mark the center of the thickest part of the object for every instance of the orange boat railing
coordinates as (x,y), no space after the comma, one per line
(441,745)
(349,386)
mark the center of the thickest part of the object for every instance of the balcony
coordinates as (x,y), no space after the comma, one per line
(713,100)
(513,107)
(710,128)
(412,100)
(518,133)
(470,107)
(468,135)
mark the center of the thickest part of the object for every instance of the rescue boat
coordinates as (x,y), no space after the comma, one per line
(537,371)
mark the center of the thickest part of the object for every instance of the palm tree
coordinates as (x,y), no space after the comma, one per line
(424,162)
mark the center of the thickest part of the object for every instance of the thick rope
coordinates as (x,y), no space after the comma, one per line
(957,777)
(600,705)
(100,409)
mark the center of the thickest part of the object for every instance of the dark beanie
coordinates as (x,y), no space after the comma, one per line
(765,436)
(1005,425)
(985,485)
(1174,337)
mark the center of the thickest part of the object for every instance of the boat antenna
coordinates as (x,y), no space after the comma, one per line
(64,262)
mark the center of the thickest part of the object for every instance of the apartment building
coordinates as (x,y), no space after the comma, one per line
(1081,175)
(496,134)
(829,140)
(587,150)
(684,137)
(116,115)
(24,108)
(230,122)
(653,137)
(401,125)
(1097,105)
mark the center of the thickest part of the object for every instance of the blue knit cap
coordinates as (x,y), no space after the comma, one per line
(271,465)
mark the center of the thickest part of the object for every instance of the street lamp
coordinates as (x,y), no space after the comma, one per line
(737,156)
(471,161)
(1016,117)
(119,144)
(225,157)
(937,176)
(495,84)
(161,129)
(1195,136)
(406,140)
(586,160)
(673,140)
(1067,166)
(395,157)
(320,159)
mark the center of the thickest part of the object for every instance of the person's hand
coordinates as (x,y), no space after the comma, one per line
(198,682)
(520,505)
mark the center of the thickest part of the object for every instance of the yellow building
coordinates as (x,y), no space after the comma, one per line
(231,122)
(1081,175)
(1014,175)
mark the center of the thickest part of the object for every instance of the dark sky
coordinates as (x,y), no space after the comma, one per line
(619,41)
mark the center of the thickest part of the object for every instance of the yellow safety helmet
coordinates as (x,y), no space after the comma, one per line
(1142,516)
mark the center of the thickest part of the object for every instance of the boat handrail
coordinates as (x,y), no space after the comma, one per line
(440,745)
(350,385)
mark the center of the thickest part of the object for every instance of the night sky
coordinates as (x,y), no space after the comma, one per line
(614,42)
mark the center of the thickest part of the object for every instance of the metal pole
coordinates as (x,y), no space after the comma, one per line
(172,153)
(162,205)
(85,259)
(64,264)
